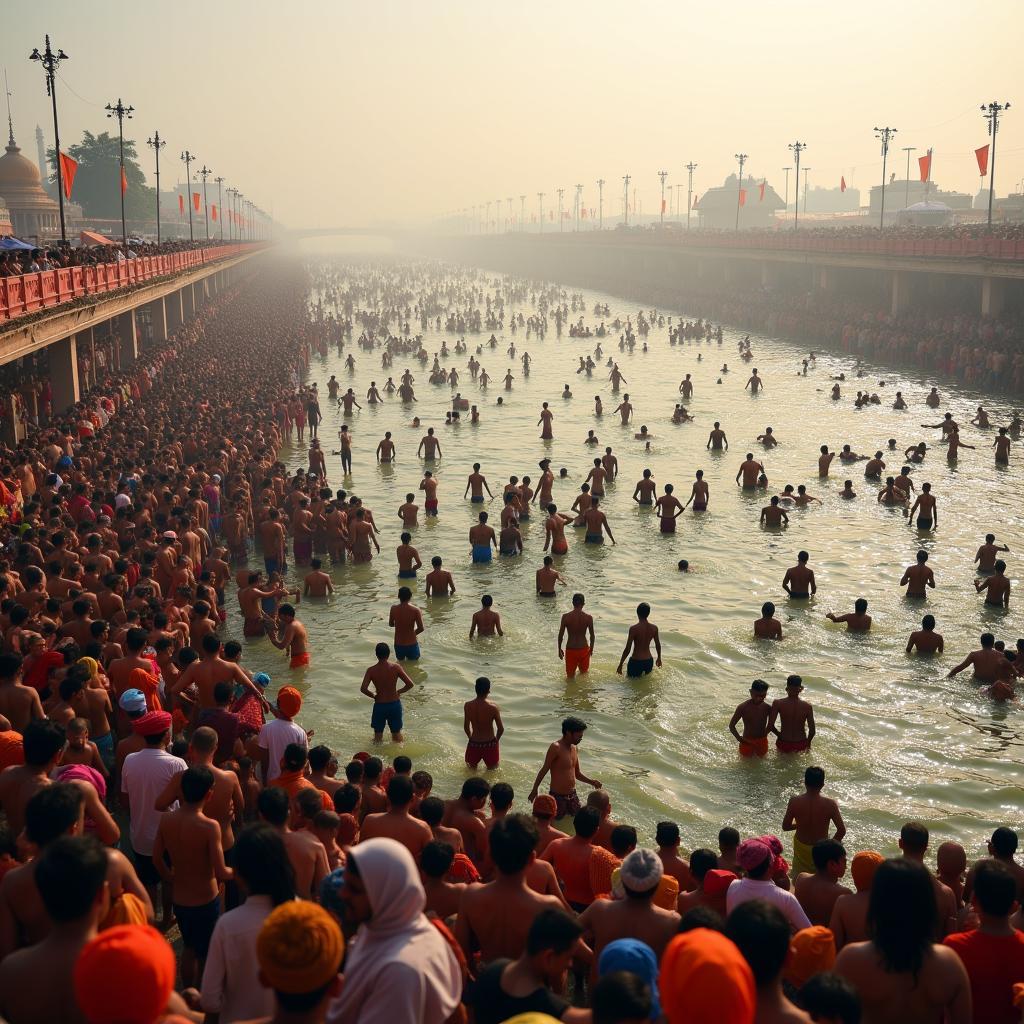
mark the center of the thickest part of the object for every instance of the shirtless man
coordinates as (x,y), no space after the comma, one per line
(773,515)
(428,485)
(768,439)
(928,513)
(361,536)
(1002,447)
(925,639)
(272,538)
(988,553)
(386,449)
(407,621)
(645,490)
(578,627)
(306,853)
(430,447)
(19,703)
(755,383)
(408,558)
(818,892)
(857,621)
(810,815)
(386,696)
(625,409)
(754,713)
(477,484)
(825,460)
(481,721)
(554,531)
(209,670)
(717,441)
(669,508)
(597,525)
(918,577)
(548,577)
(397,822)
(563,761)
(686,388)
(873,467)
(767,627)
(485,622)
(799,580)
(409,512)
(482,539)
(996,587)
(988,663)
(639,640)
(438,582)
(317,583)
(596,478)
(750,469)
(795,718)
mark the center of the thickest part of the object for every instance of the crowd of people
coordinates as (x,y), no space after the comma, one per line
(14,262)
(149,778)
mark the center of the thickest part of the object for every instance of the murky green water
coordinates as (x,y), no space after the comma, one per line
(897,739)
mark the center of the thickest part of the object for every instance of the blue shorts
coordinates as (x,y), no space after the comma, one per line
(271,565)
(594,538)
(637,667)
(481,552)
(476,498)
(407,651)
(389,714)
(407,574)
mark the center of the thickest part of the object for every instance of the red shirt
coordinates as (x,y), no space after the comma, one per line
(994,963)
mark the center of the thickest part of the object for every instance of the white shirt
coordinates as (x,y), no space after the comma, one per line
(274,737)
(231,984)
(143,778)
(744,889)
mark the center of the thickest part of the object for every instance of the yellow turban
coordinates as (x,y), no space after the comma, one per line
(299,948)
(91,664)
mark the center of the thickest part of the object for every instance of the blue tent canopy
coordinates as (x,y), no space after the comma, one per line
(14,243)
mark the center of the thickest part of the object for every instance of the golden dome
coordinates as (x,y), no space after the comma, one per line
(17,170)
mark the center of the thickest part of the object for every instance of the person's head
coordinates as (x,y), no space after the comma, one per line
(988,640)
(756,858)
(272,806)
(400,791)
(728,840)
(300,949)
(863,868)
(573,728)
(1003,844)
(71,876)
(196,783)
(54,811)
(829,858)
(436,859)
(768,609)
(623,997)
(794,685)
(586,822)
(474,792)
(641,873)
(928,623)
(347,799)
(995,891)
(704,977)
(860,606)
(502,796)
(758,690)
(666,835)
(43,741)
(914,839)
(761,934)
(802,557)
(814,779)
(901,914)
(551,943)
(830,999)
(261,864)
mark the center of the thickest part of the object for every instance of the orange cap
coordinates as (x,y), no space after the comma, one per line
(811,951)
(289,700)
(863,868)
(704,979)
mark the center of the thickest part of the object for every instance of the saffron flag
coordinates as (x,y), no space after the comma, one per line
(124,181)
(195,201)
(663,206)
(694,201)
(842,183)
(213,210)
(761,186)
(181,204)
(68,169)
(982,156)
(925,164)
(743,197)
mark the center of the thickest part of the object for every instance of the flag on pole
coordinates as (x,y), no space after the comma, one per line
(925,164)
(68,169)
(694,201)
(743,197)
(181,204)
(213,210)
(124,181)
(761,186)
(842,183)
(195,201)
(981,154)
(663,206)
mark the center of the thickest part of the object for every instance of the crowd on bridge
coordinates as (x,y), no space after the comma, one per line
(55,255)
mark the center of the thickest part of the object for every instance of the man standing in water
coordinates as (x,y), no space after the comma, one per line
(640,637)
(750,469)
(407,621)
(563,761)
(578,628)
(925,505)
(754,713)
(597,525)
(799,580)
(717,441)
(483,727)
(809,816)
(918,577)
(795,718)
(387,698)
(755,383)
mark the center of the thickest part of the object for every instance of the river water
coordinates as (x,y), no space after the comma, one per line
(897,739)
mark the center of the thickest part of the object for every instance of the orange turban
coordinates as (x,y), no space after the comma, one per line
(140,679)
(863,868)
(125,976)
(704,979)
(12,748)
(811,951)
(289,700)
(300,948)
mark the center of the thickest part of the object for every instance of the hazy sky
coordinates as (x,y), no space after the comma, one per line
(347,113)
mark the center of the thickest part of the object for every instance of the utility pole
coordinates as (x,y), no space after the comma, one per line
(691,167)
(625,199)
(51,62)
(522,213)
(663,175)
(906,198)
(991,113)
(579,201)
(807,171)
(742,158)
(600,204)
(561,219)
(188,158)
(540,201)
(796,148)
(205,172)
(120,112)
(511,215)
(885,135)
(232,192)
(220,204)
(157,143)
(497,218)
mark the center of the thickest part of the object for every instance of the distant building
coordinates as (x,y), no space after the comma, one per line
(716,208)
(34,215)
(981,199)
(831,200)
(900,194)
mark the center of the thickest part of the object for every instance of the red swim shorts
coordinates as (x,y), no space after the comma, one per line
(756,747)
(576,659)
(792,746)
(299,661)
(486,751)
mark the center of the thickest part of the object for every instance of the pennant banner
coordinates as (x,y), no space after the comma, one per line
(181,204)
(842,184)
(982,156)
(213,210)
(925,164)
(761,186)
(663,206)
(695,201)
(68,170)
(743,197)
(124,181)
(195,201)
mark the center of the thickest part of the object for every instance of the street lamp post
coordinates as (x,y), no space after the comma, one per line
(187,157)
(885,135)
(561,219)
(991,113)
(906,196)
(522,212)
(742,158)
(796,148)
(600,204)
(663,175)
(50,62)
(204,174)
(807,171)
(157,143)
(690,167)
(625,199)
(511,215)
(220,204)
(579,202)
(120,111)
(540,201)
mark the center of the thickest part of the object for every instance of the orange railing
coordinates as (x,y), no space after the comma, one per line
(47,288)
